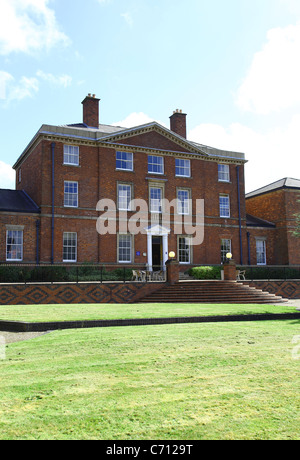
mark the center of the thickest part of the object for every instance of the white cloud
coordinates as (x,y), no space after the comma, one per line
(12,90)
(62,80)
(271,156)
(135,119)
(7,176)
(5,78)
(272,82)
(128,18)
(28,26)
(25,87)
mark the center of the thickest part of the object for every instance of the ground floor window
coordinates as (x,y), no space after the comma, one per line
(261,258)
(14,245)
(124,248)
(184,249)
(225,249)
(70,247)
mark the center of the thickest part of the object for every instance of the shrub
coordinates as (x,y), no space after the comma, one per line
(275,273)
(14,274)
(205,273)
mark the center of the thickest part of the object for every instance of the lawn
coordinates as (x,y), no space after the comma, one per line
(190,382)
(79,312)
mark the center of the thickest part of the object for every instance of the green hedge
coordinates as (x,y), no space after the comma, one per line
(205,273)
(274,273)
(62,274)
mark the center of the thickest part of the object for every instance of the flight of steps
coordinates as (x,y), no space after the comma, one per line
(211,292)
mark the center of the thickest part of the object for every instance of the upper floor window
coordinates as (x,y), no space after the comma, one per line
(182,168)
(71,155)
(156,196)
(224,206)
(124,160)
(14,245)
(155,164)
(223,173)
(124,197)
(183,201)
(71,194)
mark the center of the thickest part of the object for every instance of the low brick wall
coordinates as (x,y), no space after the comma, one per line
(289,289)
(68,293)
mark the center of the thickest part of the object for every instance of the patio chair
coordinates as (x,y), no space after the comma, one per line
(135,276)
(241,274)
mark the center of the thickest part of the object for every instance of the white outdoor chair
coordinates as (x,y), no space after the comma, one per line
(241,274)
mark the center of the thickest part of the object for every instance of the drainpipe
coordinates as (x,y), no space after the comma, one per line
(240,220)
(37,224)
(52,220)
(249,254)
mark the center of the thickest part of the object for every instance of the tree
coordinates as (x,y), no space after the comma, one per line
(297,230)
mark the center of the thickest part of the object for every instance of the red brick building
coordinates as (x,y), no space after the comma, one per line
(273,239)
(66,170)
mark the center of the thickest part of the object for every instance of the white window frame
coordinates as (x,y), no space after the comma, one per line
(70,246)
(71,152)
(223,173)
(122,236)
(261,253)
(156,204)
(185,167)
(127,162)
(13,234)
(224,207)
(69,196)
(155,161)
(180,250)
(128,187)
(184,206)
(225,248)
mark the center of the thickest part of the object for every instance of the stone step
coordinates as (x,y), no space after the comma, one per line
(211,292)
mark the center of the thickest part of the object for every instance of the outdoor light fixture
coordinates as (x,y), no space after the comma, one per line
(172,255)
(228,256)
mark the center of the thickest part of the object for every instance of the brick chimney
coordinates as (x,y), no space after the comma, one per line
(91,111)
(178,123)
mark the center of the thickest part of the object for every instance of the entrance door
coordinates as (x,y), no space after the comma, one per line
(156,252)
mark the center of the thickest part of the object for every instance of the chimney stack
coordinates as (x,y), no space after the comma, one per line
(91,111)
(178,123)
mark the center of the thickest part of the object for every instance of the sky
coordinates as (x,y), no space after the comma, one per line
(233,67)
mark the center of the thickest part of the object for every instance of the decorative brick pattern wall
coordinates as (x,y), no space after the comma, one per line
(286,289)
(43,294)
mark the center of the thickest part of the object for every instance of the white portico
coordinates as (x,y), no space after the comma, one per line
(157,246)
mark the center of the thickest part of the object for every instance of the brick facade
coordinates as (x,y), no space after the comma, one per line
(278,204)
(42,172)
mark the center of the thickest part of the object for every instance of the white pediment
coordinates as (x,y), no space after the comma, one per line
(157,230)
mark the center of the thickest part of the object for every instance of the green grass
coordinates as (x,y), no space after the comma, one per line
(204,381)
(78,312)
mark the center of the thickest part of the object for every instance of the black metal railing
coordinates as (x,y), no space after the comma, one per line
(271,272)
(251,272)
(75,273)
(102,273)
